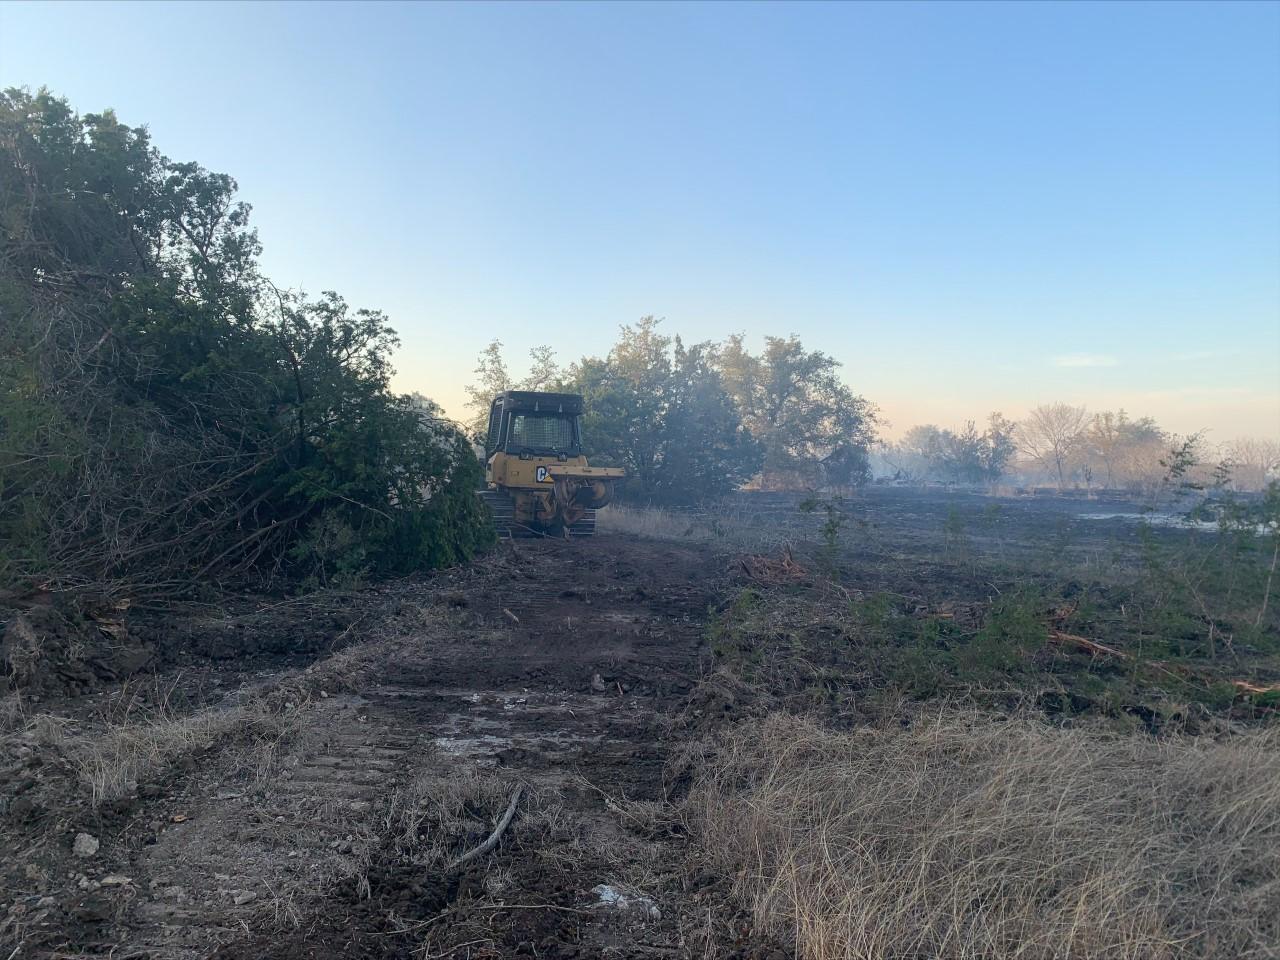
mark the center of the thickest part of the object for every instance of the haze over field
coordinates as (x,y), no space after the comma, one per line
(974,208)
(492,479)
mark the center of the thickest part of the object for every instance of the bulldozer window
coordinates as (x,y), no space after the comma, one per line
(542,433)
(491,436)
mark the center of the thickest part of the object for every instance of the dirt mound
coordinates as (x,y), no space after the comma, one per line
(51,647)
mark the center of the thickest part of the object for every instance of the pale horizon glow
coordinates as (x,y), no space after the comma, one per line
(1085,360)
(974,207)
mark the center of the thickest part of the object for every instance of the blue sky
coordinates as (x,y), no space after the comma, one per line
(973,207)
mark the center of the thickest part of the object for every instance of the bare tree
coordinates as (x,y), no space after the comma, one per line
(1128,450)
(1106,436)
(1254,461)
(1051,434)
(493,377)
(544,370)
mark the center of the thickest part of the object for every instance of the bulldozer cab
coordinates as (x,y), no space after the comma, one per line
(527,424)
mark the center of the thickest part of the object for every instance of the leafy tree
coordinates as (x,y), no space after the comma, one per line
(999,446)
(966,456)
(697,421)
(493,377)
(544,370)
(708,451)
(627,395)
(848,465)
(1118,445)
(926,443)
(169,416)
(793,401)
(660,409)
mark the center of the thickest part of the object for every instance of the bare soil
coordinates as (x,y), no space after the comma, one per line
(563,667)
(295,777)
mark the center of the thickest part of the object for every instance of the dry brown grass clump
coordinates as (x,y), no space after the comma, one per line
(715,524)
(969,837)
(428,816)
(654,523)
(110,762)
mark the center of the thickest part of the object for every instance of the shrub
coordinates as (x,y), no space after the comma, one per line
(169,416)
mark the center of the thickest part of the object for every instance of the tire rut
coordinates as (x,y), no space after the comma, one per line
(241,856)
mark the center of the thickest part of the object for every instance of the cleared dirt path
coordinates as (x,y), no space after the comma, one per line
(556,666)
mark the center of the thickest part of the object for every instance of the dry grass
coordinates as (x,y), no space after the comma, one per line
(135,738)
(654,523)
(13,713)
(967,837)
(111,763)
(441,814)
(717,525)
(129,750)
(429,817)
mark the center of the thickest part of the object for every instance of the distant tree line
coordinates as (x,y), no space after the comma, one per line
(1066,446)
(168,417)
(693,422)
(963,456)
(696,422)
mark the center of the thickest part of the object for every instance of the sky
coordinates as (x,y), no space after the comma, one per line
(973,207)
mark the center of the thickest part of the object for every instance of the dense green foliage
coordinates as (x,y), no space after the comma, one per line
(692,423)
(659,408)
(814,429)
(168,416)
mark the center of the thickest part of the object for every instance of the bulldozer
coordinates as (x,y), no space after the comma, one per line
(538,483)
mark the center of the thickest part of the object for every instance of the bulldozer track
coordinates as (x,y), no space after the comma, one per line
(276,850)
(502,508)
(240,853)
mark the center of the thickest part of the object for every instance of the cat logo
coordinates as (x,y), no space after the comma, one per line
(543,475)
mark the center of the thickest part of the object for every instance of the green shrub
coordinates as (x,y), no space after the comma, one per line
(169,417)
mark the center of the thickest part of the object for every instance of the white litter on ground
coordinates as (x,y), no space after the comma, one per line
(612,897)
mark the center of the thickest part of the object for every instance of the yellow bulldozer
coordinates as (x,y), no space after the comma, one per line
(538,483)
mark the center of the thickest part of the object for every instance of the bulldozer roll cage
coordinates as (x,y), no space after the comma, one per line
(525,424)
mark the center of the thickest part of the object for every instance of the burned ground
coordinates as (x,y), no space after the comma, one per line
(307,796)
(309,800)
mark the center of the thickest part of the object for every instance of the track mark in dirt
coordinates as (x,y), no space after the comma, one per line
(569,656)
(245,852)
(551,665)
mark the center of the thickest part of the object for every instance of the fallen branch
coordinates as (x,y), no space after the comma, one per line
(494,837)
(1101,649)
(1242,687)
(1084,643)
(770,571)
(1253,689)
